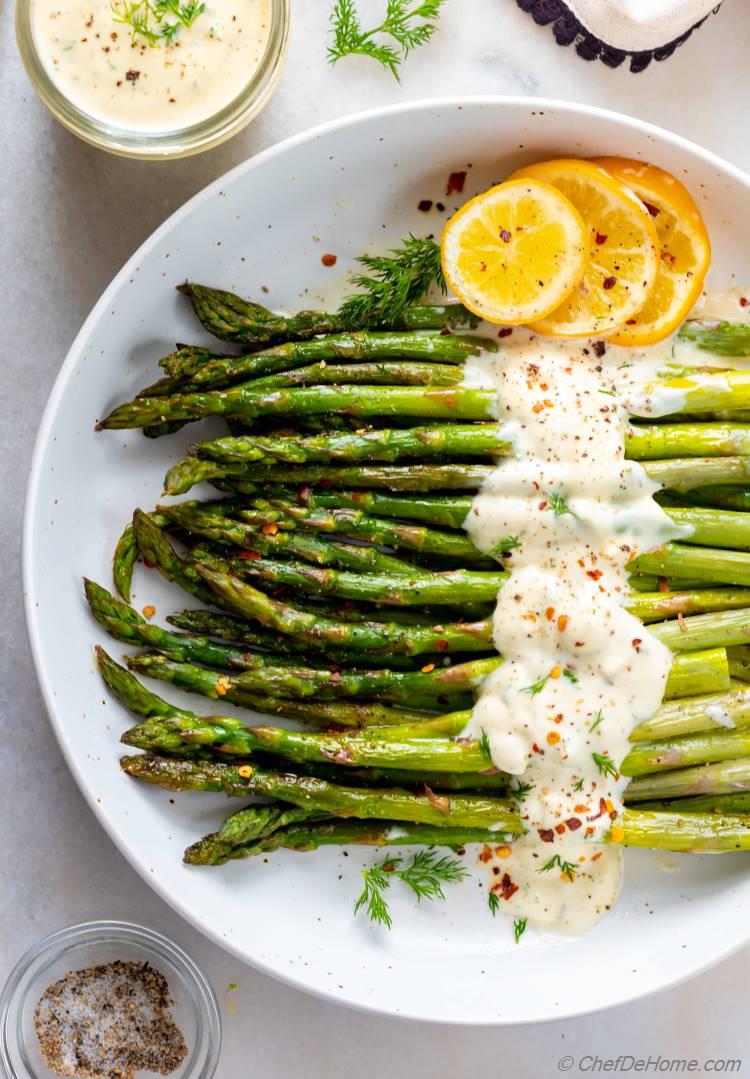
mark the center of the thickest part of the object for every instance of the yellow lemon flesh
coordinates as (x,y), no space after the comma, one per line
(684,249)
(622,250)
(514,253)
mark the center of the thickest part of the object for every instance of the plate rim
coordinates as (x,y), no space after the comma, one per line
(45,431)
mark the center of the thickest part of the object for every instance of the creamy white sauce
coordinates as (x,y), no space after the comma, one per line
(94,62)
(560,621)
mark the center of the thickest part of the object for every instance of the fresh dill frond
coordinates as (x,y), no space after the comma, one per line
(485,744)
(377,880)
(519,928)
(606,765)
(504,546)
(493,902)
(521,791)
(608,393)
(536,687)
(567,869)
(425,876)
(407,25)
(558,505)
(148,19)
(570,675)
(579,785)
(598,718)
(396,280)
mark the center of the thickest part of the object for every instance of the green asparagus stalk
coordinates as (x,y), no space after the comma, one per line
(230,318)
(273,541)
(654,442)
(368,637)
(136,698)
(449,686)
(356,524)
(713,527)
(714,630)
(237,839)
(448,811)
(739,662)
(722,496)
(703,394)
(710,803)
(696,714)
(696,673)
(386,444)
(719,337)
(656,606)
(709,564)
(694,832)
(366,749)
(682,752)
(724,777)
(342,350)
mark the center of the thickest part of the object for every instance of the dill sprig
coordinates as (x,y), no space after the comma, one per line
(408,26)
(567,869)
(598,718)
(558,505)
(606,765)
(521,791)
(504,546)
(493,902)
(148,19)
(579,785)
(570,674)
(425,875)
(519,928)
(536,687)
(484,742)
(396,280)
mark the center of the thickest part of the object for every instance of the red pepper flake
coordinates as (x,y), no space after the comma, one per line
(304,494)
(270,529)
(442,645)
(653,210)
(542,506)
(601,239)
(597,856)
(249,556)
(149,564)
(538,407)
(546,835)
(562,622)
(456,182)
(536,749)
(549,614)
(505,236)
(505,332)
(329,260)
(663,584)
(506,888)
(609,282)
(149,611)
(744,301)
(630,322)
(558,718)
(594,574)
(667,257)
(485,854)
(637,642)
(425,205)
(574,823)
(560,829)
(602,811)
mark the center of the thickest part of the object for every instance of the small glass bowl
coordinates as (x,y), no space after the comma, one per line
(195,1009)
(150,145)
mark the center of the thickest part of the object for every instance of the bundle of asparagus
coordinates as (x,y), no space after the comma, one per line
(340,590)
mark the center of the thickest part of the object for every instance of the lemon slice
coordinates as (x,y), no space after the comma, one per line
(622,257)
(514,253)
(684,249)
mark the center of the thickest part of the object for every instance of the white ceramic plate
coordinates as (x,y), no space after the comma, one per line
(344,188)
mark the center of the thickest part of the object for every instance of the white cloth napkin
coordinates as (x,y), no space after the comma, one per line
(639,25)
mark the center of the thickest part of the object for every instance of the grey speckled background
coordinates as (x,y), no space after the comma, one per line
(69,216)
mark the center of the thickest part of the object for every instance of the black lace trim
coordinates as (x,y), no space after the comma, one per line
(568,30)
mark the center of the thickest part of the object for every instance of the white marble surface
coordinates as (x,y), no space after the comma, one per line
(69,216)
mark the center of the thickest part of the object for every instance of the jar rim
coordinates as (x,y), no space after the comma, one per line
(179,142)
